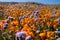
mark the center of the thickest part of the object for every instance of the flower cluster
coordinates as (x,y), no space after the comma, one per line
(27,22)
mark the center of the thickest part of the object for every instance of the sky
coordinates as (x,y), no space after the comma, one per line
(38,1)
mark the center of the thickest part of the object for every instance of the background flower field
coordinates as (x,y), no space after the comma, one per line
(29,21)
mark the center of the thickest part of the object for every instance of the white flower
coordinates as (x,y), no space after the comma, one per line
(37,31)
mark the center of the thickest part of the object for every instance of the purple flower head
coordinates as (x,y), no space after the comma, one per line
(26,16)
(58,32)
(5,25)
(4,33)
(3,14)
(19,34)
(58,39)
(7,20)
(21,20)
(21,17)
(23,33)
(56,29)
(35,16)
(11,18)
(59,20)
(36,13)
(28,37)
(36,19)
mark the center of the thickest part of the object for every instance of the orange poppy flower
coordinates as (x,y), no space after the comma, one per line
(3,21)
(42,35)
(4,8)
(53,34)
(55,22)
(0,26)
(48,24)
(28,12)
(57,14)
(55,26)
(12,29)
(45,31)
(47,39)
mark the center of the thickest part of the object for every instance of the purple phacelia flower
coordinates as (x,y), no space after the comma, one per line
(4,33)
(7,20)
(35,14)
(11,18)
(36,19)
(56,29)
(5,25)
(58,38)
(23,32)
(28,38)
(19,34)
(59,20)
(58,32)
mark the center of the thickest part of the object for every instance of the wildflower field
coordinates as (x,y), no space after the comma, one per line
(29,21)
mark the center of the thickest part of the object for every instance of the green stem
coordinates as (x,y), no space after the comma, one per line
(4,38)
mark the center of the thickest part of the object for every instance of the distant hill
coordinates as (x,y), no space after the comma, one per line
(28,3)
